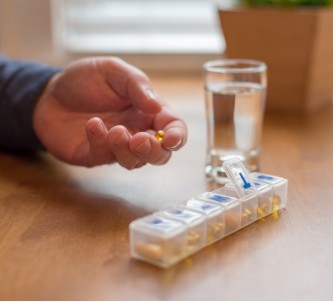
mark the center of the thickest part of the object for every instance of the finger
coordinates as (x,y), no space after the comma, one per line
(149,149)
(132,84)
(118,140)
(174,137)
(99,152)
(175,129)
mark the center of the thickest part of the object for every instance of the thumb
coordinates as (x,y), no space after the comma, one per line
(132,84)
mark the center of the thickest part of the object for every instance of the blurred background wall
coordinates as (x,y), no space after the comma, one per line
(155,35)
(25,29)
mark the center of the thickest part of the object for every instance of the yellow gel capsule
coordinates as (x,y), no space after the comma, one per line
(261,212)
(263,209)
(212,231)
(276,202)
(193,238)
(217,228)
(159,135)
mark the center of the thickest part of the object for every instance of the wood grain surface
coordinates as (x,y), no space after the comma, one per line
(64,229)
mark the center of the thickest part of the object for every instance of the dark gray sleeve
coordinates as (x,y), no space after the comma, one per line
(21,84)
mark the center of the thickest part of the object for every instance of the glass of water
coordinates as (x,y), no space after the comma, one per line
(235,95)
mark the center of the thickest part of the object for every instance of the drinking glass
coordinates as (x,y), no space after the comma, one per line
(235,96)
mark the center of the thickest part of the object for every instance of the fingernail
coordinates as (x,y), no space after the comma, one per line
(177,144)
(151,94)
(97,128)
(145,147)
(100,127)
(121,139)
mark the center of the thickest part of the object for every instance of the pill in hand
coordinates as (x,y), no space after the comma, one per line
(159,135)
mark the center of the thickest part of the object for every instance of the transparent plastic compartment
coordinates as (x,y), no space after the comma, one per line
(196,226)
(232,209)
(280,188)
(243,188)
(265,199)
(249,205)
(158,240)
(214,217)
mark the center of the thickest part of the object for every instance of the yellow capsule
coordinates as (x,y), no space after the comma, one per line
(216,228)
(261,212)
(276,202)
(159,135)
(213,231)
(247,211)
(263,209)
(192,238)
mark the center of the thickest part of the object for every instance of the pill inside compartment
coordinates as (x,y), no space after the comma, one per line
(196,226)
(158,240)
(265,198)
(249,205)
(241,186)
(232,208)
(214,218)
(280,188)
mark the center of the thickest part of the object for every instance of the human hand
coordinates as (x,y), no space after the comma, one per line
(103,110)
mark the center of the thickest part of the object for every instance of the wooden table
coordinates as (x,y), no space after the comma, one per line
(64,229)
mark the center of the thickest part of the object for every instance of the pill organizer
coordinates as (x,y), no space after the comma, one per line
(170,235)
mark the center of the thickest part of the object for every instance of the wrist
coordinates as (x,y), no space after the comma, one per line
(40,114)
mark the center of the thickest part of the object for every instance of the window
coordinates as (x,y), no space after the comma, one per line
(138,26)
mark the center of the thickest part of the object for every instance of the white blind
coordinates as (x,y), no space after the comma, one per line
(139,26)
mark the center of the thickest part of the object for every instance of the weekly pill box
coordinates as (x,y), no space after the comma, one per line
(168,236)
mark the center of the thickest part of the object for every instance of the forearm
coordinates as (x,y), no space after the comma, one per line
(21,84)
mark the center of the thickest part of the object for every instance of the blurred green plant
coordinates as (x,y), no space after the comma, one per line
(287,2)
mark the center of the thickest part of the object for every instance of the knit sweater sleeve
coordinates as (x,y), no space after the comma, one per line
(21,84)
